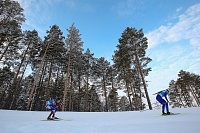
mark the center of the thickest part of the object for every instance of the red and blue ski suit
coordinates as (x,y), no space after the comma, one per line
(162,101)
(51,105)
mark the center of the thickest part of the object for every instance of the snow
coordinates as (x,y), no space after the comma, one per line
(101,122)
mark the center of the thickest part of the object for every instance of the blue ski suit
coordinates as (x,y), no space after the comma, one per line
(162,101)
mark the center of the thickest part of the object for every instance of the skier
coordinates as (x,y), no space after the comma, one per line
(163,102)
(52,105)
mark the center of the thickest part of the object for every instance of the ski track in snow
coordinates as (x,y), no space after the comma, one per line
(101,122)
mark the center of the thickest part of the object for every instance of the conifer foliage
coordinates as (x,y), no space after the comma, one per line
(185,91)
(131,62)
(33,70)
(11,18)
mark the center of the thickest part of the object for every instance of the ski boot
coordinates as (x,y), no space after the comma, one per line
(54,117)
(163,113)
(49,118)
(169,113)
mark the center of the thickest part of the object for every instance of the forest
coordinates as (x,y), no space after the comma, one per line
(59,67)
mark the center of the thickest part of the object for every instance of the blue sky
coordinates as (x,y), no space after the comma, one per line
(172,28)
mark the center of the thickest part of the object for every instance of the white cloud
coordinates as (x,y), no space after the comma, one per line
(168,62)
(187,27)
(176,14)
(36,14)
(157,36)
(178,9)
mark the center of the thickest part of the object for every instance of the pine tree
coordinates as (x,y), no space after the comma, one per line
(24,91)
(124,104)
(94,100)
(74,44)
(52,52)
(185,80)
(55,51)
(10,29)
(6,77)
(129,57)
(185,90)
(79,70)
(31,42)
(101,71)
(36,76)
(113,87)
(113,100)
(122,64)
(175,95)
(88,72)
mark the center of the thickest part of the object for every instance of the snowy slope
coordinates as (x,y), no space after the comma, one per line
(111,122)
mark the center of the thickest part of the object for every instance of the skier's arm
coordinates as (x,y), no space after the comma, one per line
(166,99)
(157,92)
(55,104)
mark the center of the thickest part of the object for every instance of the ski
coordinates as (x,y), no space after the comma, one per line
(171,114)
(59,119)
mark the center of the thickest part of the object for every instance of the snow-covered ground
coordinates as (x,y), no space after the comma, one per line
(101,122)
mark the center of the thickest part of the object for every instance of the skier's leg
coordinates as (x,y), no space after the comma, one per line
(163,108)
(167,108)
(54,112)
(55,116)
(162,101)
(49,117)
(49,107)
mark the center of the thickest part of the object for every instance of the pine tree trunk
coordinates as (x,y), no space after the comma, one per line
(134,96)
(105,93)
(66,82)
(86,95)
(143,81)
(141,106)
(20,81)
(38,91)
(15,88)
(129,97)
(35,81)
(194,95)
(185,97)
(49,79)
(115,97)
(41,85)
(57,82)
(70,94)
(79,93)
(4,52)
(180,98)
